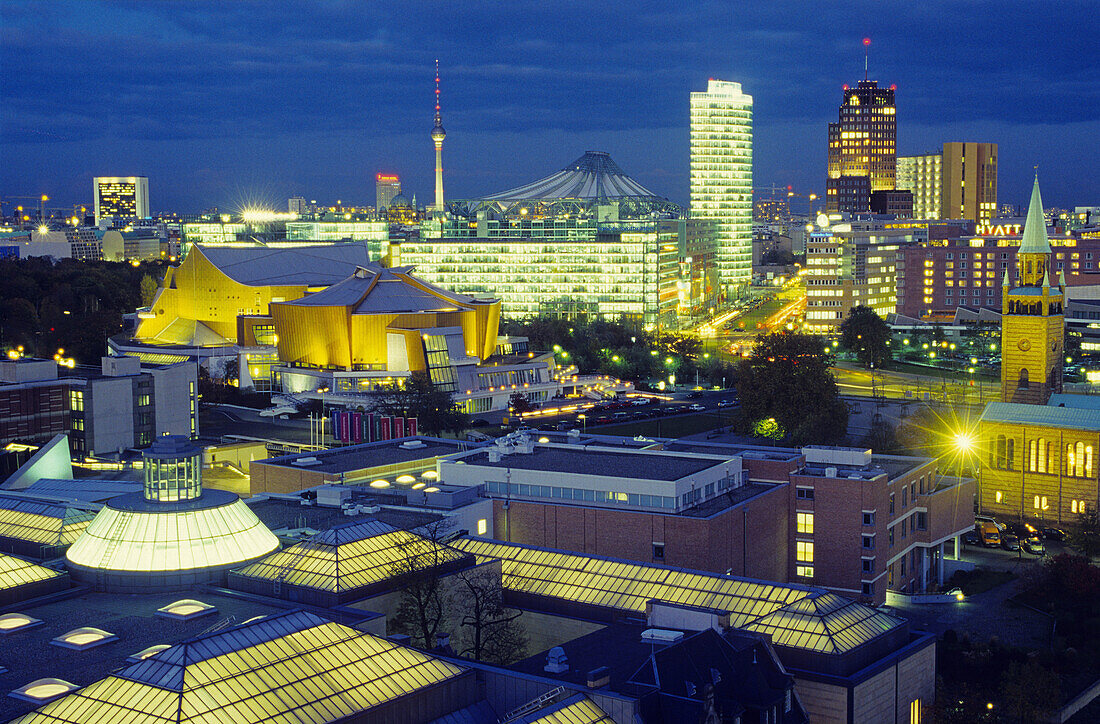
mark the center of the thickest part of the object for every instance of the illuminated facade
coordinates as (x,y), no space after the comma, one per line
(970,181)
(173,534)
(922,175)
(862,148)
(386,186)
(721,177)
(121,196)
(1032,322)
(847,268)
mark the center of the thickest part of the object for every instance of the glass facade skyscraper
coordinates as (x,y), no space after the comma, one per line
(721,176)
(862,148)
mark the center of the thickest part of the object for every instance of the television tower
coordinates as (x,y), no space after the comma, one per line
(438,134)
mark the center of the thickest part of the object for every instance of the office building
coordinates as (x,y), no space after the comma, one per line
(588,240)
(923,175)
(386,186)
(894,202)
(121,197)
(104,410)
(721,178)
(296,205)
(848,267)
(970,181)
(862,148)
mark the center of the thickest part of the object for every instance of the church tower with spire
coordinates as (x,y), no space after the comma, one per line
(1032,323)
(438,134)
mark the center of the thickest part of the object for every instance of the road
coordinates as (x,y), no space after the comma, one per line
(950,387)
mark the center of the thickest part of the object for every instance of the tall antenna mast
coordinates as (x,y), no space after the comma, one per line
(866,44)
(438,120)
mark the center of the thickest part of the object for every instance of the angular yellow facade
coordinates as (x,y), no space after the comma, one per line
(378,319)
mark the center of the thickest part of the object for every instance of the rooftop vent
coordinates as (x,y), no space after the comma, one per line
(413,444)
(86,637)
(830,472)
(41,691)
(494,454)
(661,636)
(305,462)
(186,609)
(13,622)
(599,677)
(146,653)
(556,661)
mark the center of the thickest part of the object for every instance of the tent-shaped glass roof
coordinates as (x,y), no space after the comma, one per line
(840,625)
(292,667)
(42,522)
(16,572)
(826,623)
(349,557)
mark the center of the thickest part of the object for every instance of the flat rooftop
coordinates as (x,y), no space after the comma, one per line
(745,451)
(599,461)
(728,499)
(372,454)
(277,513)
(28,655)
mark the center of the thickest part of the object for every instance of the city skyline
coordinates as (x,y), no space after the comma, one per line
(316,103)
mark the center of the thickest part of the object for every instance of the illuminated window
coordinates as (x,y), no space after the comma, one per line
(804,551)
(805,523)
(1040,503)
(482,526)
(804,571)
(1000,496)
(914,711)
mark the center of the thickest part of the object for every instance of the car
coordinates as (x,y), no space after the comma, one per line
(696,407)
(970,538)
(1010,542)
(990,519)
(1054,534)
(728,403)
(695,395)
(1024,530)
(1034,546)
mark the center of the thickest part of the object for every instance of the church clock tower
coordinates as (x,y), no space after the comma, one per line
(1032,326)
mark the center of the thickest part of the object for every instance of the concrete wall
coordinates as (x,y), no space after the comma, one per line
(173,390)
(109,414)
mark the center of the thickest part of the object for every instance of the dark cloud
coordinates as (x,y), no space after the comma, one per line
(322,94)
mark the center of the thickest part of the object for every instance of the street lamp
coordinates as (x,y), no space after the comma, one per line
(584,425)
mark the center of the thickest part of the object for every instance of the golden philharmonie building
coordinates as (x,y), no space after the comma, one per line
(323,318)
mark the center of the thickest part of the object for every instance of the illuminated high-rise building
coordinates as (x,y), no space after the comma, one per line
(862,146)
(438,134)
(721,176)
(121,196)
(970,181)
(922,175)
(386,186)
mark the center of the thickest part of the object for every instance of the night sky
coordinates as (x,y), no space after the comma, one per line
(233,103)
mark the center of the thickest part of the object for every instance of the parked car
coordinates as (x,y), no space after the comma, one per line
(696,407)
(1001,527)
(970,538)
(1034,546)
(1025,531)
(728,403)
(988,533)
(1054,534)
(695,395)
(1010,542)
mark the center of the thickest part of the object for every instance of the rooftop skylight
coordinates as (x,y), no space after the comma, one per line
(12,622)
(83,638)
(186,609)
(41,691)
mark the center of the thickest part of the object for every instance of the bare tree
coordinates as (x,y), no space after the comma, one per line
(494,632)
(424,603)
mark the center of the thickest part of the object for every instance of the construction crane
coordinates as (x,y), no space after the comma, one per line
(41,204)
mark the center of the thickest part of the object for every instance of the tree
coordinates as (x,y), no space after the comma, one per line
(434,409)
(424,601)
(519,404)
(866,334)
(494,633)
(148,290)
(1029,692)
(1086,535)
(787,378)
